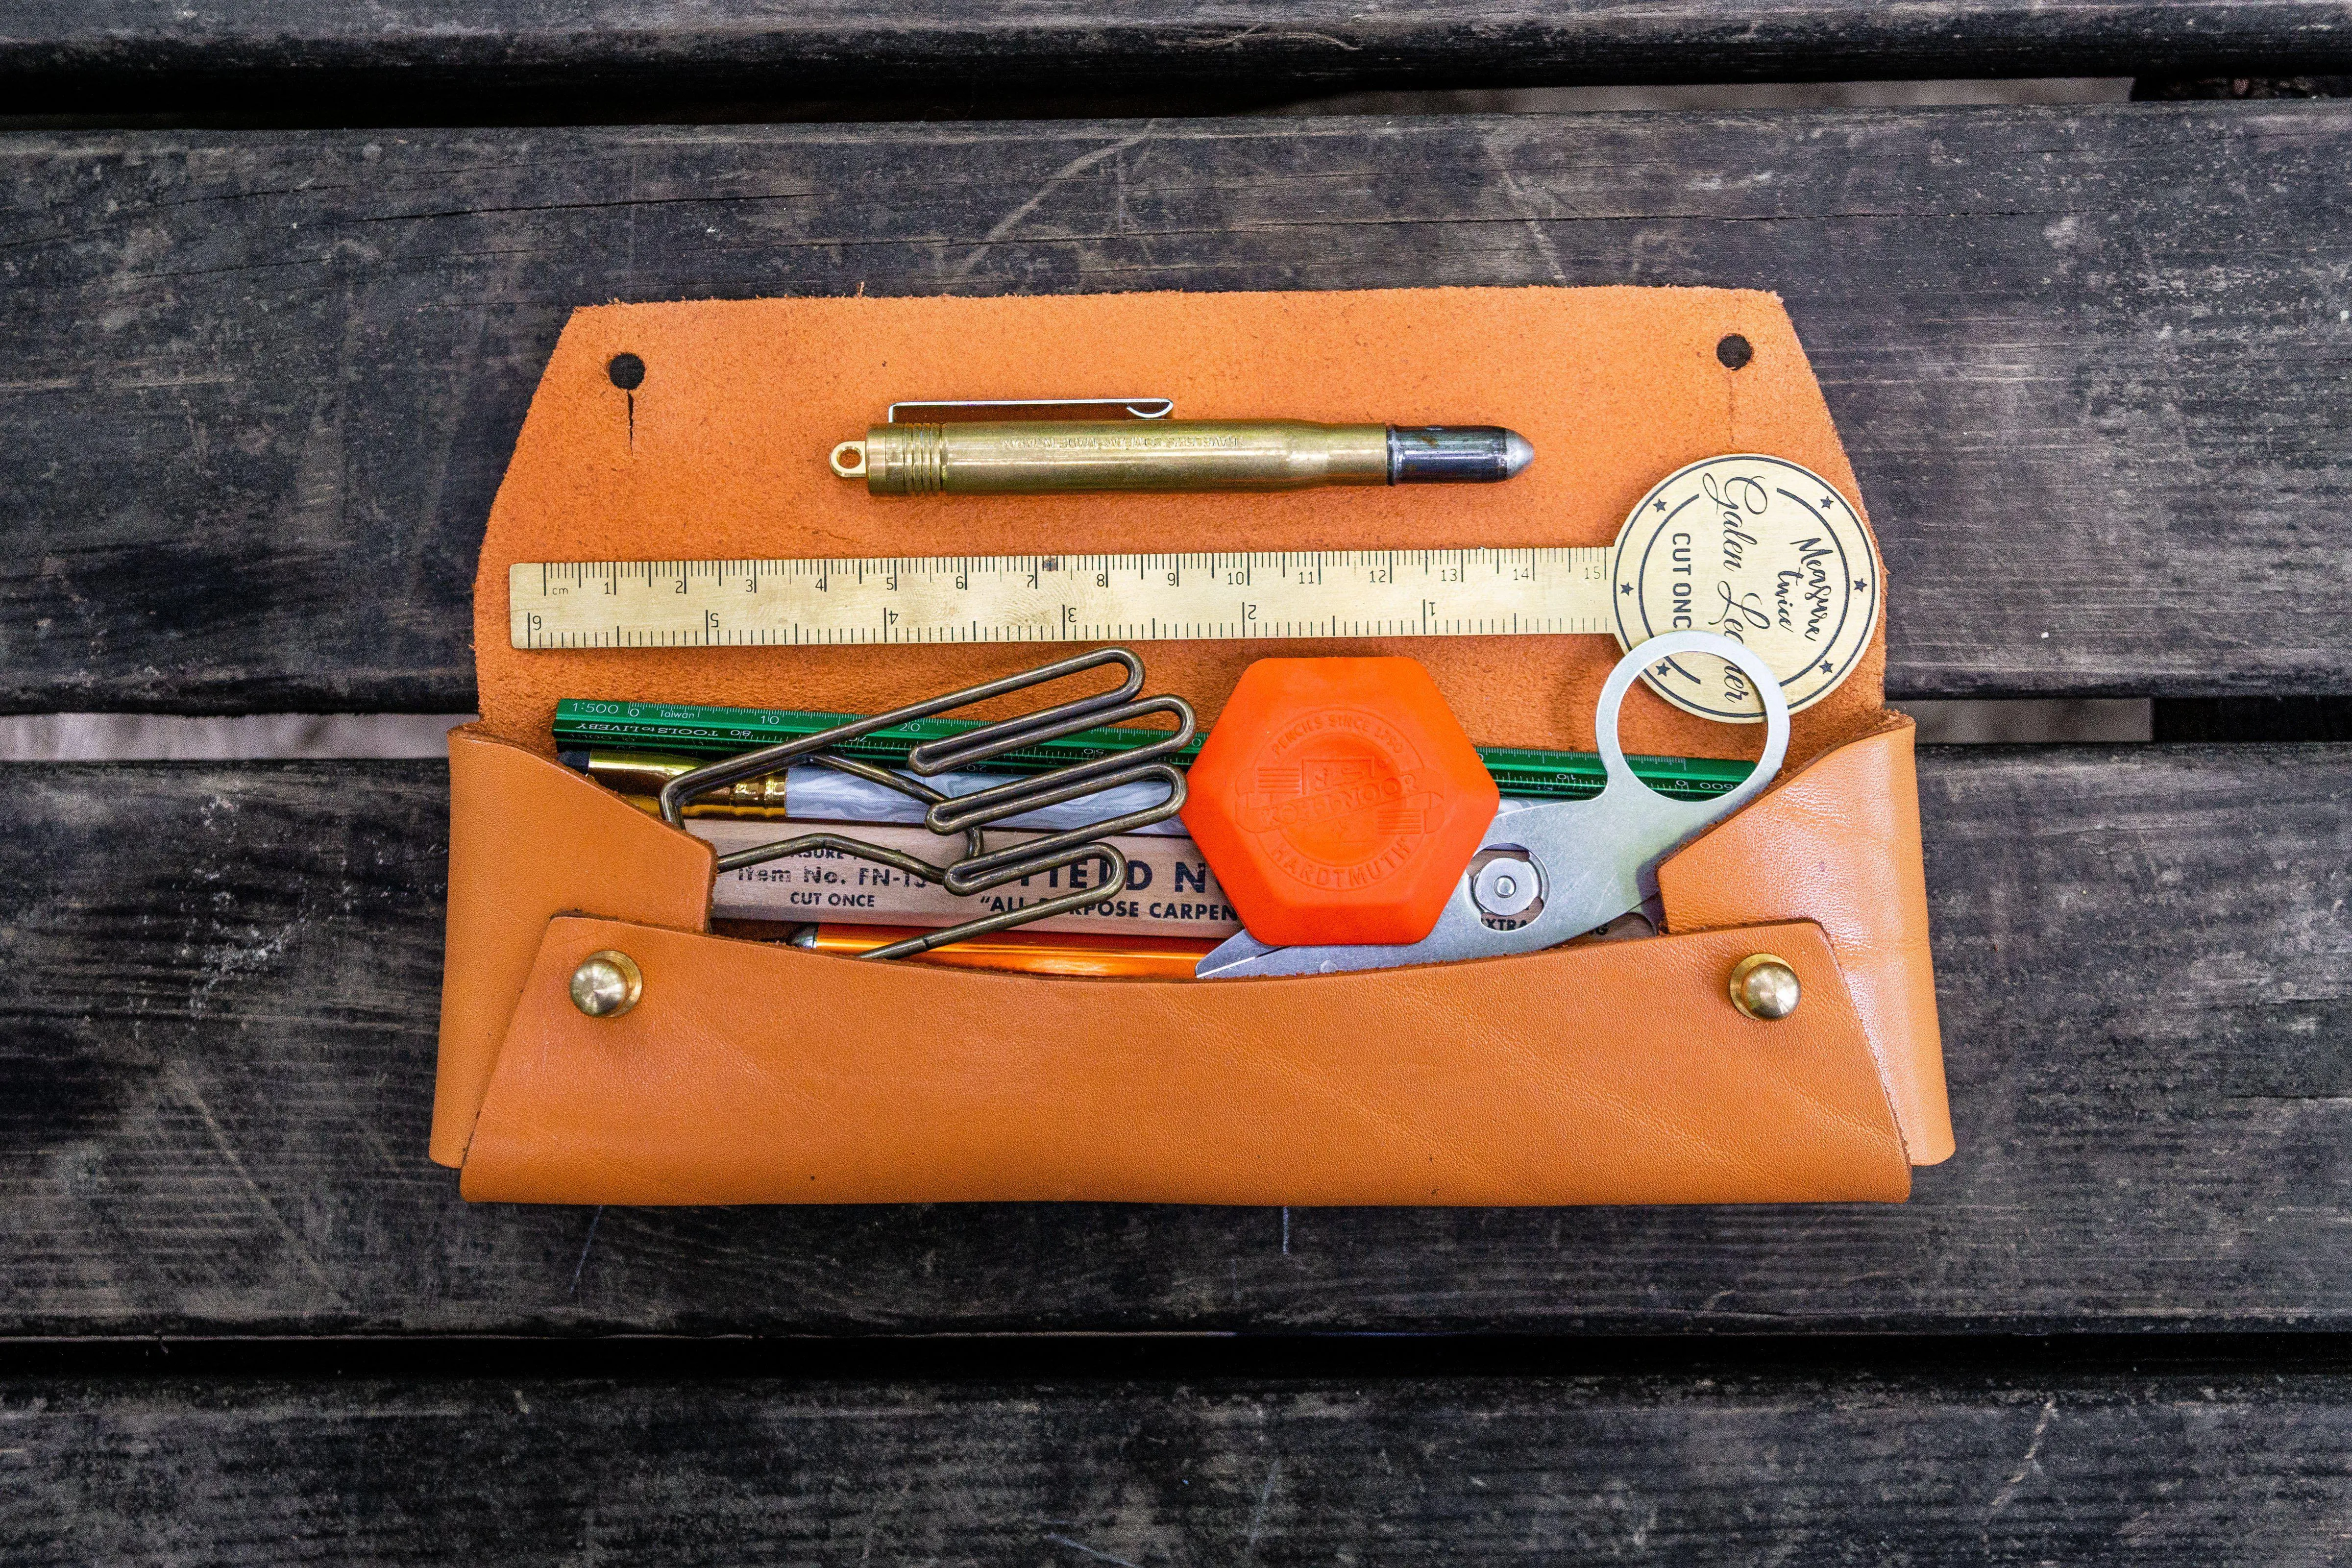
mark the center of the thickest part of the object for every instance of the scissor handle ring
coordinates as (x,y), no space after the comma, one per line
(1740,656)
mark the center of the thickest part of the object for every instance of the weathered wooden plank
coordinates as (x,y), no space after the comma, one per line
(2203,1469)
(2091,364)
(123,53)
(218,990)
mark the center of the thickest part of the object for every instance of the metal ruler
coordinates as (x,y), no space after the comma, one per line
(1058,598)
(1748,546)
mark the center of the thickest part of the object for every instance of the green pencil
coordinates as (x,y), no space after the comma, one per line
(582,724)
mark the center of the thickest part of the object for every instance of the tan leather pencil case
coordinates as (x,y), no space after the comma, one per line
(748,1072)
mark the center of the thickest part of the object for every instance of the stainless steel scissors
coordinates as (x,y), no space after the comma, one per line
(1553,872)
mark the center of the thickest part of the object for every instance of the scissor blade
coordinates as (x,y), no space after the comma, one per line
(1240,948)
(1244,956)
(1459,934)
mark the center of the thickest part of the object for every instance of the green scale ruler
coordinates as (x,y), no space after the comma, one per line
(585,724)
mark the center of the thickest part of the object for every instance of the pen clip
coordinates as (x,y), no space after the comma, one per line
(960,410)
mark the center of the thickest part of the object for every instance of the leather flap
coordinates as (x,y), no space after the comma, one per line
(529,840)
(719,451)
(1837,842)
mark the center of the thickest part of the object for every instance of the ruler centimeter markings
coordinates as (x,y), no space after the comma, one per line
(1059,598)
(1746,546)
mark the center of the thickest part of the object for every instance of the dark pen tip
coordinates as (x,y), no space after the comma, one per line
(1456,454)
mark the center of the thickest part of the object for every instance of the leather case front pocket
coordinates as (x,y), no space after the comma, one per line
(1610,1072)
(750,1073)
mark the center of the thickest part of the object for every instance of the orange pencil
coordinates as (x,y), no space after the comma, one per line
(1043,952)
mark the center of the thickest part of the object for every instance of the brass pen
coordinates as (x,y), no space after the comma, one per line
(1134,444)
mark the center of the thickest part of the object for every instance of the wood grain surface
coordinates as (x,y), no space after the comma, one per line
(2091,367)
(218,989)
(69,51)
(2091,364)
(1802,1466)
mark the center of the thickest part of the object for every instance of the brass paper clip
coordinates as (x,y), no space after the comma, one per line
(980,868)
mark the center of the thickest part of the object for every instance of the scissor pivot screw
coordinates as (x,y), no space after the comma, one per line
(607,985)
(1506,885)
(1764,987)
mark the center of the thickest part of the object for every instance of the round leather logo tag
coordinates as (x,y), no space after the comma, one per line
(1762,550)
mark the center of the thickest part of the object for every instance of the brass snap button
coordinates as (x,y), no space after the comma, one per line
(1764,987)
(607,985)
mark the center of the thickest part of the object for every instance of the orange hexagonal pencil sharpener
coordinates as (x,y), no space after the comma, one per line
(1339,800)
